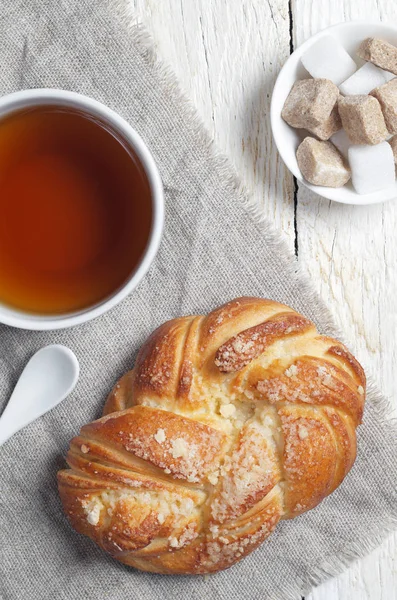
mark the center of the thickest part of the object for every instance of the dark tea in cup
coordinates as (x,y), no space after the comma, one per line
(75,210)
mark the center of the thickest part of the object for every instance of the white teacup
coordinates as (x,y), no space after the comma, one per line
(41,97)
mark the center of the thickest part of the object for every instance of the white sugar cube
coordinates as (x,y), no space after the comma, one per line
(364,80)
(372,167)
(328,59)
(341,141)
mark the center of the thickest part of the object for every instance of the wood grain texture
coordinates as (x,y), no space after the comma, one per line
(227,54)
(350,253)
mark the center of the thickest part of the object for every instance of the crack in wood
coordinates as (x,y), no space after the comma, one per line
(208,69)
(295,182)
(295,196)
(295,193)
(291,27)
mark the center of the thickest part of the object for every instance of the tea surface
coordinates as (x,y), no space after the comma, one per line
(75,211)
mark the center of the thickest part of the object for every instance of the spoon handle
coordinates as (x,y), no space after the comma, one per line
(49,376)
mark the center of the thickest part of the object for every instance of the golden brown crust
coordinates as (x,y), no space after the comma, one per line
(227,424)
(187,449)
(244,347)
(157,364)
(350,362)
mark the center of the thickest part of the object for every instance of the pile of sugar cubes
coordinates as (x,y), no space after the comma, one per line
(350,112)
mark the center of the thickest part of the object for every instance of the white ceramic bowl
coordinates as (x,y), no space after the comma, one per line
(287,139)
(28,98)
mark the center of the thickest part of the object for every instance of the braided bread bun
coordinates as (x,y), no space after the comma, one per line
(227,424)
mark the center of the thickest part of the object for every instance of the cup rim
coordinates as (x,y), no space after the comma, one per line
(41,96)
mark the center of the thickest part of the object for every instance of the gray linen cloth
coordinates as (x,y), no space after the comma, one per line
(214,248)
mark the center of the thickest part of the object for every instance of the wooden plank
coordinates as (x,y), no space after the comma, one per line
(350,253)
(227,56)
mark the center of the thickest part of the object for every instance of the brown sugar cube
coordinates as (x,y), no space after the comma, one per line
(329,127)
(380,53)
(393,144)
(321,163)
(309,103)
(362,119)
(386,95)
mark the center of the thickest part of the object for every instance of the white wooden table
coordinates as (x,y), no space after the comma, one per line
(227,54)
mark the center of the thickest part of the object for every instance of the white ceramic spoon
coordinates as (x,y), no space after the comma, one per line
(50,376)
